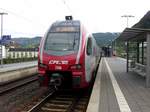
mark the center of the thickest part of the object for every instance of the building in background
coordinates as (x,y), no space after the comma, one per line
(6,40)
(15,53)
(3,53)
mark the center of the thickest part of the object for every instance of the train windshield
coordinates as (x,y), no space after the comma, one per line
(62,42)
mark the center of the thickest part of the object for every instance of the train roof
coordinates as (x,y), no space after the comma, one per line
(65,26)
(67,23)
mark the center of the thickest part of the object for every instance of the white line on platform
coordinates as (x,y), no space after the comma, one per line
(123,105)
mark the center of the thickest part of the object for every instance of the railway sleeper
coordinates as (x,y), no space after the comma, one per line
(76,110)
(51,105)
(60,102)
(62,98)
(45,109)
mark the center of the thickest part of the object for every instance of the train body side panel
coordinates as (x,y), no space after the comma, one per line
(90,60)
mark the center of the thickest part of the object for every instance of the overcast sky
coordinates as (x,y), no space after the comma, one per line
(34,17)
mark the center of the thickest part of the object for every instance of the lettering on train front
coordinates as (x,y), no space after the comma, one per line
(58,62)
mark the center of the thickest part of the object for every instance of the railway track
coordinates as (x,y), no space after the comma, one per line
(5,88)
(63,101)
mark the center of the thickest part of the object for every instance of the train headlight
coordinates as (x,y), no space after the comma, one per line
(41,65)
(76,67)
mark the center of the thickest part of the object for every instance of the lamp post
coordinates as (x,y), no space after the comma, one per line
(1,49)
(127,16)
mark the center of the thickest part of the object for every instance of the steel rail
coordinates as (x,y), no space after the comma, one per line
(5,88)
(39,104)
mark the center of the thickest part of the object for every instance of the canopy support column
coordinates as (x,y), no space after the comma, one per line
(148,61)
(127,50)
(142,52)
(138,52)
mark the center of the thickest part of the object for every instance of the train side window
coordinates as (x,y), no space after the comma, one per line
(89,46)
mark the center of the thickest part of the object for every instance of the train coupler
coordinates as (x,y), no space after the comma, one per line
(55,80)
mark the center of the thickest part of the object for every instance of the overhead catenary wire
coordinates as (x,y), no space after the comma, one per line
(34,23)
(22,17)
(16,33)
(67,6)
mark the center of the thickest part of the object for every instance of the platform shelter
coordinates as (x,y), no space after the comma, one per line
(137,41)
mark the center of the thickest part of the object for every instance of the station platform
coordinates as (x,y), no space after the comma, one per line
(16,66)
(115,90)
(16,71)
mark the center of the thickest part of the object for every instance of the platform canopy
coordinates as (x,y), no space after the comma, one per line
(139,33)
(136,33)
(133,34)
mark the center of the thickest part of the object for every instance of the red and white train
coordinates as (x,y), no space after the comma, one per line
(68,55)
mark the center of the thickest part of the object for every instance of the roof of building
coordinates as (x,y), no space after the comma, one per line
(23,49)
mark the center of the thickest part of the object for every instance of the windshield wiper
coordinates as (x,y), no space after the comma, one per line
(74,43)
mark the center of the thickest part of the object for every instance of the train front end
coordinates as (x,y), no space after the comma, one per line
(57,63)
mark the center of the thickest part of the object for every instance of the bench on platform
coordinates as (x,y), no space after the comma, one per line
(139,69)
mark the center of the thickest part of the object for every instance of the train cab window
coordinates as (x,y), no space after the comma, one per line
(62,41)
(89,46)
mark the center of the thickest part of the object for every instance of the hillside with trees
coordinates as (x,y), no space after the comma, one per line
(28,42)
(105,39)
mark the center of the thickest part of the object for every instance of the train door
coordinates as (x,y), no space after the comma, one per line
(88,59)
